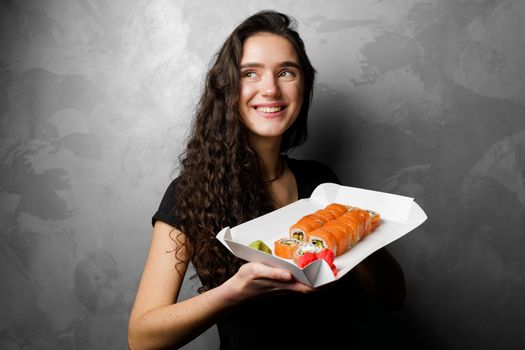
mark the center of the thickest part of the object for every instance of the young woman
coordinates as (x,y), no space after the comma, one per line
(253,110)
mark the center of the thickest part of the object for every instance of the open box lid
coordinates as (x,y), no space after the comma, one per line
(399,216)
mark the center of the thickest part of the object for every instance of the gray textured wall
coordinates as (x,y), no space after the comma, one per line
(420,98)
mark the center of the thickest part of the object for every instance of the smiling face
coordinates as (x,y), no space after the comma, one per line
(271,86)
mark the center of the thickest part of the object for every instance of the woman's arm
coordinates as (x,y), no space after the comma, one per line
(157,321)
(382,278)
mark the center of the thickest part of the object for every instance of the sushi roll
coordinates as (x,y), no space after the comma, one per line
(337,227)
(303,227)
(356,217)
(375,218)
(367,222)
(317,218)
(303,249)
(325,214)
(354,227)
(323,238)
(341,234)
(337,209)
(286,247)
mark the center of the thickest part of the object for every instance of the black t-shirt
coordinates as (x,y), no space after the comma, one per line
(308,175)
(338,315)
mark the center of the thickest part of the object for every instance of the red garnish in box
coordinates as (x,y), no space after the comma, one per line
(306,259)
(325,254)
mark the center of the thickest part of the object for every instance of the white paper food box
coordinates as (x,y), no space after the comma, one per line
(399,216)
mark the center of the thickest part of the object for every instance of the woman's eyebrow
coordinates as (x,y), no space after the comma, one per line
(260,65)
(251,65)
(290,64)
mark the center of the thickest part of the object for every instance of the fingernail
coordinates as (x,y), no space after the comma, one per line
(285,276)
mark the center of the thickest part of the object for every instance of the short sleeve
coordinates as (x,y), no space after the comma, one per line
(166,209)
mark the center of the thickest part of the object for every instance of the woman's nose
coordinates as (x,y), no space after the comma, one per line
(270,87)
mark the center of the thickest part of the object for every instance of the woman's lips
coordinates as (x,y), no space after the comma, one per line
(270,111)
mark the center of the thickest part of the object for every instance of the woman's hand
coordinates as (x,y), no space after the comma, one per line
(256,279)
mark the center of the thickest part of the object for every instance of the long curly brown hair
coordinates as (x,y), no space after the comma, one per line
(221,183)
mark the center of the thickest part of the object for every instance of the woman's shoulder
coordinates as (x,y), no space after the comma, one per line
(166,209)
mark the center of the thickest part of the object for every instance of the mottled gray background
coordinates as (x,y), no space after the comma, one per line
(420,98)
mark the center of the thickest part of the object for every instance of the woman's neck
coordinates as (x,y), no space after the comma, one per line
(282,184)
(269,152)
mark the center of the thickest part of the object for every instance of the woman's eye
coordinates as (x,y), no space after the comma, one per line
(249,74)
(287,74)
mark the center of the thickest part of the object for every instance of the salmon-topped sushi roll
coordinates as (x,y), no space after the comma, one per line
(286,247)
(367,223)
(317,218)
(323,238)
(362,222)
(355,227)
(303,227)
(323,219)
(349,224)
(336,223)
(325,214)
(375,218)
(303,249)
(340,233)
(337,209)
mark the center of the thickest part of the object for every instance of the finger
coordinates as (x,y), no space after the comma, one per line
(261,271)
(290,286)
(301,288)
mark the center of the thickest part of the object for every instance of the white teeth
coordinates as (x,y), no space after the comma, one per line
(269,109)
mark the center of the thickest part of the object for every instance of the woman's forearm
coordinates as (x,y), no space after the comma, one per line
(177,324)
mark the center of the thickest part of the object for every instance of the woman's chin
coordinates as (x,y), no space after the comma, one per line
(268,133)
